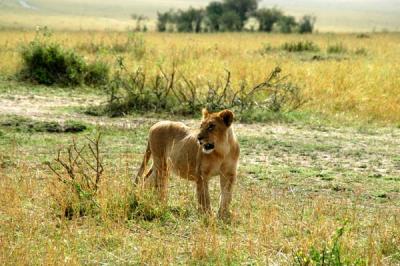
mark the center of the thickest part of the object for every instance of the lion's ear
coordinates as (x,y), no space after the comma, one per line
(205,113)
(227,117)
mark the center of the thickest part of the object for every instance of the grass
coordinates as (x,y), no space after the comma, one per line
(354,85)
(292,195)
(319,182)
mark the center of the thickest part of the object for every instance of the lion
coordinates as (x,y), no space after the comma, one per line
(195,156)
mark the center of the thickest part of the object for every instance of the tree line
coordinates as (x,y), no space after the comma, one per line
(232,15)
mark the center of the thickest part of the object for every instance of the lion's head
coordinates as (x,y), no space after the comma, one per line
(213,129)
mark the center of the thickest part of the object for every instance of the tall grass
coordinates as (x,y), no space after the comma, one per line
(363,86)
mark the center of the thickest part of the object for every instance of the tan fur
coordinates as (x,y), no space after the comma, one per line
(173,146)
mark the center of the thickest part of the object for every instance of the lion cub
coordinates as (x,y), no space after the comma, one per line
(214,150)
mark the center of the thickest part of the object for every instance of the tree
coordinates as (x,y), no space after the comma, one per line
(163,19)
(214,11)
(306,24)
(243,8)
(286,24)
(230,21)
(268,17)
(189,20)
(139,19)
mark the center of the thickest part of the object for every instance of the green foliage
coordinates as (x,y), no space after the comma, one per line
(97,73)
(230,21)
(306,24)
(301,46)
(285,24)
(214,11)
(163,19)
(130,92)
(243,8)
(29,125)
(231,15)
(189,20)
(147,207)
(330,255)
(72,126)
(267,17)
(337,48)
(363,36)
(49,63)
(78,171)
(361,51)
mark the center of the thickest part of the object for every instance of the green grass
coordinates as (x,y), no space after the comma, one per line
(303,176)
(290,196)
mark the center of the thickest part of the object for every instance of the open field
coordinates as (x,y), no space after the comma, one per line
(359,82)
(298,184)
(325,182)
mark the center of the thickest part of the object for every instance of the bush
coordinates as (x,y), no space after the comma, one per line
(97,73)
(330,255)
(130,92)
(336,49)
(49,63)
(306,24)
(363,36)
(71,126)
(78,170)
(301,46)
(361,51)
(29,125)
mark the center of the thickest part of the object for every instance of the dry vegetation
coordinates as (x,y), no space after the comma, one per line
(361,82)
(305,189)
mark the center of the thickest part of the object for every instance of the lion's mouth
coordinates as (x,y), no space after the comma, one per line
(208,148)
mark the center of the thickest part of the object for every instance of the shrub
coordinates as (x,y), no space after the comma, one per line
(329,256)
(29,125)
(363,36)
(97,73)
(306,24)
(301,46)
(285,24)
(164,92)
(50,63)
(78,170)
(361,51)
(71,126)
(266,48)
(338,48)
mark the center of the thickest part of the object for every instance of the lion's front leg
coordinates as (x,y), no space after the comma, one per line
(226,181)
(203,195)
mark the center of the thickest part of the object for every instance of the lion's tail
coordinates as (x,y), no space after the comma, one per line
(142,168)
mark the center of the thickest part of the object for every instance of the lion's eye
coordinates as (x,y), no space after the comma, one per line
(211,127)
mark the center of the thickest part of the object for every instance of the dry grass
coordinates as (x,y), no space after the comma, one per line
(298,183)
(279,212)
(363,86)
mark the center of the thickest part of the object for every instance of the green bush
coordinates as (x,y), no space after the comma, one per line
(130,92)
(361,51)
(330,255)
(49,63)
(337,48)
(300,46)
(97,73)
(23,124)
